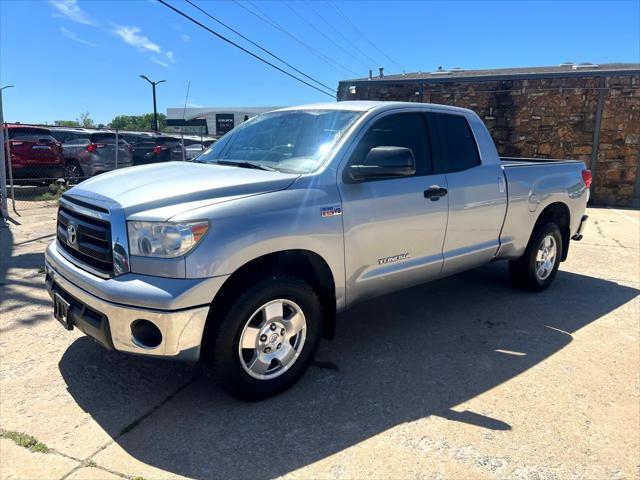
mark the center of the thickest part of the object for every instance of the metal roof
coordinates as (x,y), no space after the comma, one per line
(459,75)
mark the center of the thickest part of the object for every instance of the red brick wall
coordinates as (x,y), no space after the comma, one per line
(547,118)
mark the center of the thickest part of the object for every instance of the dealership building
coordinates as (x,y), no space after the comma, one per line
(211,121)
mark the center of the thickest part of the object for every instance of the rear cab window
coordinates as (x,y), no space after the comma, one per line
(30,134)
(59,135)
(454,145)
(166,140)
(108,138)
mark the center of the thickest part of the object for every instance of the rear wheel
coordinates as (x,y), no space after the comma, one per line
(266,339)
(72,172)
(537,268)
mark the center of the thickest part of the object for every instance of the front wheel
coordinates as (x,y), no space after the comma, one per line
(266,339)
(537,268)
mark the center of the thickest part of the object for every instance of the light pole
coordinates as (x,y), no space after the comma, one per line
(4,211)
(155,111)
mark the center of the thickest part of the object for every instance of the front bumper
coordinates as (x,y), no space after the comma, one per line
(177,307)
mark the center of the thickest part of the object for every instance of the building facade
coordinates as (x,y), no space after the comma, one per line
(217,120)
(585,112)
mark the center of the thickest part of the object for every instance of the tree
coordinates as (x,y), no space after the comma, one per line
(85,120)
(67,123)
(138,122)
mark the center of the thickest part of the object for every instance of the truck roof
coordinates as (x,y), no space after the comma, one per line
(367,105)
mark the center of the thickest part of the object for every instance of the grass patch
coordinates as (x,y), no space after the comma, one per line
(91,463)
(138,478)
(54,193)
(24,440)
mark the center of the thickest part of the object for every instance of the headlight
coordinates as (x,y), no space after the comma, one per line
(164,239)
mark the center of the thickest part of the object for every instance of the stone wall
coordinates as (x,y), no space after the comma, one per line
(546,118)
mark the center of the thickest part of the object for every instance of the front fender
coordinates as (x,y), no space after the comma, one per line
(251,227)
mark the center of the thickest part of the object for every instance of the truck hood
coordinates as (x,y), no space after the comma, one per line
(184,185)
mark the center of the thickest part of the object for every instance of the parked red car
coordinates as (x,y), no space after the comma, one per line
(36,157)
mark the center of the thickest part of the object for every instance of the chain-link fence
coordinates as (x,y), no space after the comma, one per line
(43,161)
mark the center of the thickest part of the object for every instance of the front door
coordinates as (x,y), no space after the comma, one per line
(393,232)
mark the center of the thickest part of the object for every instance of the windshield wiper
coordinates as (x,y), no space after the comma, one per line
(256,166)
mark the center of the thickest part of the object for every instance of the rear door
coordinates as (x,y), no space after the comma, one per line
(393,233)
(476,191)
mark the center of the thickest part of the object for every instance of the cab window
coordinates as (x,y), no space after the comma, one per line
(406,130)
(454,148)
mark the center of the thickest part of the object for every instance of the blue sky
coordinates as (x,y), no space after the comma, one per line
(66,57)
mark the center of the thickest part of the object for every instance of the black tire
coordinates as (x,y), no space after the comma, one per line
(72,172)
(221,353)
(524,270)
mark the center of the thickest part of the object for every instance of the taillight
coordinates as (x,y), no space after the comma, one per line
(587,177)
(93,147)
(157,149)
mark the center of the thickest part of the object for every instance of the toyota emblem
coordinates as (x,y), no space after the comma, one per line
(72,234)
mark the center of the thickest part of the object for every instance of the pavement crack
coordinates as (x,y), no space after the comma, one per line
(88,460)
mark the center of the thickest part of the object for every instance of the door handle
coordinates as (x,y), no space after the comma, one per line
(434,192)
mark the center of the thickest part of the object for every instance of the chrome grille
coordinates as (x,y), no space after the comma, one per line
(85,239)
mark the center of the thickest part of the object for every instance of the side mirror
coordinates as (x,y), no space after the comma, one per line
(384,162)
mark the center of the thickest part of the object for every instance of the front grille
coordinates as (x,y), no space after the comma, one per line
(92,245)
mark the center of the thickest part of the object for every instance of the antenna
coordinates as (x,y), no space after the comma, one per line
(186,98)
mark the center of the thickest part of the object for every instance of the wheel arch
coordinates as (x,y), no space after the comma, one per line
(305,264)
(559,213)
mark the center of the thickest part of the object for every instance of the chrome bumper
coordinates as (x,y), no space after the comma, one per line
(181,328)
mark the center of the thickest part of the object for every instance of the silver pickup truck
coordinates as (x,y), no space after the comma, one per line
(243,257)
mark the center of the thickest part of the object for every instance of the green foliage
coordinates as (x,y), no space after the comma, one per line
(24,440)
(54,192)
(85,120)
(138,122)
(67,123)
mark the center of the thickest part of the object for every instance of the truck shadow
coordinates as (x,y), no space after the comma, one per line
(20,281)
(396,359)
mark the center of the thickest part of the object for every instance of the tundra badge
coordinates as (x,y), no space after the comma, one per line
(394,258)
(330,211)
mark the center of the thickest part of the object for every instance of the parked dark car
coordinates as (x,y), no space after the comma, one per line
(89,152)
(159,148)
(36,157)
(74,141)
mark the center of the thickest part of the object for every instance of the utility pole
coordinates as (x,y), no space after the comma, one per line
(155,110)
(4,211)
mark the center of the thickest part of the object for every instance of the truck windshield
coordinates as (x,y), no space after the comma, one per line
(295,141)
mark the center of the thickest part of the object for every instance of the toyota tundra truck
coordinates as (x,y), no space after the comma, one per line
(244,257)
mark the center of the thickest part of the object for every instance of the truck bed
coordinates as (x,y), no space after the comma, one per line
(522,161)
(533,184)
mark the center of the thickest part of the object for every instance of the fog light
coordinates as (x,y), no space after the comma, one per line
(145,334)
